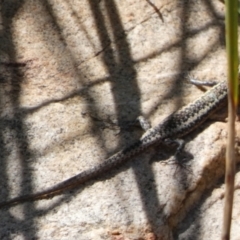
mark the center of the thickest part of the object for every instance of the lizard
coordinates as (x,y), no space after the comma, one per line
(175,126)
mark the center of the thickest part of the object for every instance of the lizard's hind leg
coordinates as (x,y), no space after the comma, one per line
(144,123)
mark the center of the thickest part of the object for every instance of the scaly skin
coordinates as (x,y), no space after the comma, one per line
(176,125)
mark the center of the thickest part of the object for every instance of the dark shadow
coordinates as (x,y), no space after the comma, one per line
(120,66)
(16,128)
(156,10)
(191,226)
(122,73)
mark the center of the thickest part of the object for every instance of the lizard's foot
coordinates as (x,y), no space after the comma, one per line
(177,158)
(179,142)
(144,123)
(139,122)
(200,83)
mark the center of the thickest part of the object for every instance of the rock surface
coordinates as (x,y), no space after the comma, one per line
(71,73)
